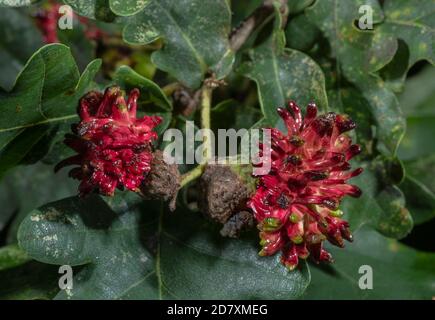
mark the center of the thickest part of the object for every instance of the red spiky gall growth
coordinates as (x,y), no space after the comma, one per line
(114,146)
(296,205)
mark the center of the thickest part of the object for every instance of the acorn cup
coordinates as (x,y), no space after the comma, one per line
(223,191)
(162,182)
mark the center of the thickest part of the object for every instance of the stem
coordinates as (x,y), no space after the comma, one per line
(241,34)
(205,115)
(205,124)
(192,175)
(205,108)
(170,88)
(247,26)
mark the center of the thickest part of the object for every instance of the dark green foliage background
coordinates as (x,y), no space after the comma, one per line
(125,248)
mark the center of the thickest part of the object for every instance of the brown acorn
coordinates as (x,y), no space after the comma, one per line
(162,182)
(223,191)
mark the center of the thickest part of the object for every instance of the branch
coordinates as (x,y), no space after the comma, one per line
(191,175)
(206,93)
(185,101)
(240,34)
(237,38)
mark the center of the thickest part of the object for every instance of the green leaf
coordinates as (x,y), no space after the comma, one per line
(15,51)
(396,221)
(231,114)
(419,187)
(359,54)
(242,9)
(416,144)
(301,34)
(399,272)
(132,249)
(395,72)
(127,7)
(418,101)
(413,21)
(9,202)
(192,46)
(12,256)
(421,200)
(418,96)
(283,74)
(416,150)
(58,150)
(380,206)
(41,186)
(45,94)
(82,48)
(25,279)
(16,3)
(150,91)
(30,281)
(94,9)
(296,6)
